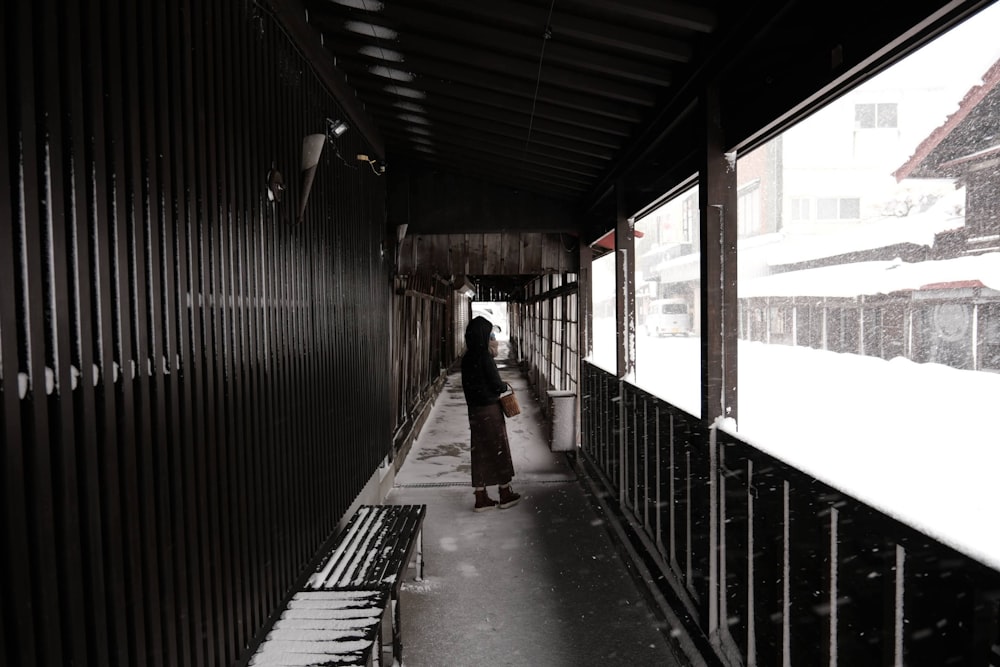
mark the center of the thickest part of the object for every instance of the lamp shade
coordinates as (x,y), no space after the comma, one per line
(312,149)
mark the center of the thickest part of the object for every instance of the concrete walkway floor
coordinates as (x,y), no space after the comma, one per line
(539,584)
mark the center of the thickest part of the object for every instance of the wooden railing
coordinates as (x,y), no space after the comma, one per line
(771,566)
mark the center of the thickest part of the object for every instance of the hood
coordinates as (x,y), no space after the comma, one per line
(477,334)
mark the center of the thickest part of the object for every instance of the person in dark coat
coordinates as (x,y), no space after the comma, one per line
(482,385)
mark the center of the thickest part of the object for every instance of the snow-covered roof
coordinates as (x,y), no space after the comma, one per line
(947,145)
(917,229)
(882,277)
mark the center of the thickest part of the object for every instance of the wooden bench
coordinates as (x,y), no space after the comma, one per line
(372,554)
(341,628)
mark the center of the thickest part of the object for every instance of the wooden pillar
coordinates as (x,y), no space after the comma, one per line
(624,285)
(585,294)
(717,203)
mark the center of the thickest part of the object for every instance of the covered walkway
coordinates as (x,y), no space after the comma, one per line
(542,583)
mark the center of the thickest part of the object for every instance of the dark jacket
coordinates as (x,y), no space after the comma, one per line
(480,378)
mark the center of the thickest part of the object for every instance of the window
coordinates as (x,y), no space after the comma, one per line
(605,352)
(843,208)
(842,307)
(667,277)
(689,213)
(799,209)
(748,209)
(674,309)
(871,116)
(779,320)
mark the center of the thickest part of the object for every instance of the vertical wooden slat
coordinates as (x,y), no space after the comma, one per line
(273,389)
(257,509)
(299,252)
(75,63)
(190,295)
(767,526)
(218,186)
(61,303)
(279,326)
(283,446)
(138,180)
(206,333)
(236,461)
(32,283)
(15,559)
(99,179)
(162,311)
(123,329)
(177,155)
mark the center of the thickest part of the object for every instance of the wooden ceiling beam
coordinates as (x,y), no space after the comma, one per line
(441,34)
(435,74)
(510,151)
(488,140)
(503,132)
(445,95)
(652,45)
(671,14)
(487,117)
(501,171)
(429,57)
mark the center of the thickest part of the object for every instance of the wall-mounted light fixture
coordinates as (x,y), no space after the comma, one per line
(335,128)
(312,149)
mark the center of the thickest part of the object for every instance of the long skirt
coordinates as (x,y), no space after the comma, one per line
(491,462)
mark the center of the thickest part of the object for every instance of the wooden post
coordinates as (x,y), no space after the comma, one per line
(624,285)
(719,326)
(586,304)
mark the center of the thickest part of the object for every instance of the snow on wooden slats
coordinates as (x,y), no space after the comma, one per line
(369,553)
(324,627)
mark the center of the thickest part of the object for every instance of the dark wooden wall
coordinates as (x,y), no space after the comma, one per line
(498,254)
(431,201)
(194,387)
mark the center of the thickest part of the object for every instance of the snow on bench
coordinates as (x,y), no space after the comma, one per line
(373,553)
(341,628)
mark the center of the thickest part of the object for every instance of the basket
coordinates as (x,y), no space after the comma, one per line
(509,404)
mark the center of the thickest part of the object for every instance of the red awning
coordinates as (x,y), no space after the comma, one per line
(608,240)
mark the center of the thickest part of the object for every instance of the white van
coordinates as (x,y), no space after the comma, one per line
(668,317)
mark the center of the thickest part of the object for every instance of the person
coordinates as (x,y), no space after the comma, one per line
(494,343)
(482,386)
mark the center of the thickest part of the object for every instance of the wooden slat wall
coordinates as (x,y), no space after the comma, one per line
(504,253)
(427,342)
(194,387)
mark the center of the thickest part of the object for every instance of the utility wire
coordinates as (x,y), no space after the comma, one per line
(378,43)
(546,36)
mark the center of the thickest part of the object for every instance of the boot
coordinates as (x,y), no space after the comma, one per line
(483,501)
(508,498)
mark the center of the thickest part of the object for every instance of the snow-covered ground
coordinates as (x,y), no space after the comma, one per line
(916,441)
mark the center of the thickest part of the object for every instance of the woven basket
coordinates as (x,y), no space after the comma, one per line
(509,404)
